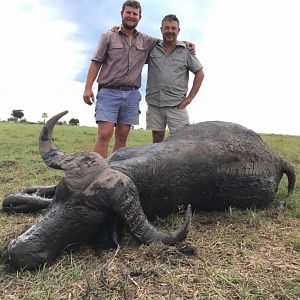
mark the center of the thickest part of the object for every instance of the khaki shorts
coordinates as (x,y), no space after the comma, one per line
(158,118)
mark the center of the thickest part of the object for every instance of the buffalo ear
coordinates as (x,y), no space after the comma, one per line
(117,230)
(109,235)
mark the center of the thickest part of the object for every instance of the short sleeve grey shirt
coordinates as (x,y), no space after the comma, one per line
(122,62)
(168,74)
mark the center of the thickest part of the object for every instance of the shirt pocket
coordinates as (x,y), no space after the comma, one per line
(155,55)
(178,64)
(155,58)
(139,52)
(116,51)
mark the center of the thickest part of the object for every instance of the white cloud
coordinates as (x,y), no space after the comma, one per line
(251,52)
(249,49)
(39,61)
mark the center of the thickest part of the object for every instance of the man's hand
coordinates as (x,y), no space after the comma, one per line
(191,47)
(184,103)
(88,96)
(115,29)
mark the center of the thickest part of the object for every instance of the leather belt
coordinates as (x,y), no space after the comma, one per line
(121,88)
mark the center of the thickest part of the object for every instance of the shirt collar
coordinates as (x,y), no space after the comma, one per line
(135,32)
(178,44)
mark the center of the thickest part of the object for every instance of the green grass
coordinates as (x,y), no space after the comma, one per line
(251,254)
(296,243)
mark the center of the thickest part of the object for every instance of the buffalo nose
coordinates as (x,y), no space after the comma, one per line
(25,256)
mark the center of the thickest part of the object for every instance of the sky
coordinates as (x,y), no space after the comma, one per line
(250,50)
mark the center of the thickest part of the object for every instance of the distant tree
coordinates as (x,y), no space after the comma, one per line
(17,114)
(74,121)
(64,122)
(44,116)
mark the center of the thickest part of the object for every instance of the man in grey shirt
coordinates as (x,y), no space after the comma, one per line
(169,64)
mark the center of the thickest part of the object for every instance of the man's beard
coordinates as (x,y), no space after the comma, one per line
(169,38)
(128,27)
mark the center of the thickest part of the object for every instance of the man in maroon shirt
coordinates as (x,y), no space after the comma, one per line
(118,62)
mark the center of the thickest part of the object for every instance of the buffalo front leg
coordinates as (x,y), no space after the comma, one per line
(32,199)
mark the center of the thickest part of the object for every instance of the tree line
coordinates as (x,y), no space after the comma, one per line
(18,114)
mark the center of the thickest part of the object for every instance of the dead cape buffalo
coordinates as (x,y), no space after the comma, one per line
(210,165)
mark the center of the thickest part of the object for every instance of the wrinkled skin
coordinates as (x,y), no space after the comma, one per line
(210,165)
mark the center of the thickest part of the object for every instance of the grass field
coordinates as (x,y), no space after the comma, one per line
(253,254)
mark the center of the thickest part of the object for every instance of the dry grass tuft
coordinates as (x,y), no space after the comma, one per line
(226,256)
